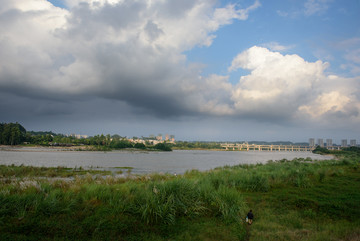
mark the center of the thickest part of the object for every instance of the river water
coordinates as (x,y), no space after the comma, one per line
(177,161)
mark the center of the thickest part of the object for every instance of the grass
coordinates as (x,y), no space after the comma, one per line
(291,200)
(30,171)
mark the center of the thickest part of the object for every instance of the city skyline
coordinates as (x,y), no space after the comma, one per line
(215,70)
(330,142)
(311,141)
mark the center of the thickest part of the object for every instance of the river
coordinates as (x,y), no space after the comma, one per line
(142,162)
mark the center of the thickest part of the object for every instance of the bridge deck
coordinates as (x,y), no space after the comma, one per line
(248,147)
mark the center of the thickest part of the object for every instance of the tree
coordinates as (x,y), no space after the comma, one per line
(162,147)
(320,150)
(139,146)
(121,144)
(12,133)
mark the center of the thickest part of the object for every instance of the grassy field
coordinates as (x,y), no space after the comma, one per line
(291,200)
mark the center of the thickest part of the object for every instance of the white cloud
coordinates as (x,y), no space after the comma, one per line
(327,102)
(353,58)
(351,52)
(275,46)
(310,7)
(211,96)
(316,6)
(282,13)
(288,87)
(94,4)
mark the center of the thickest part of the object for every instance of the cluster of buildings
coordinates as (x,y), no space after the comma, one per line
(153,140)
(329,142)
(78,136)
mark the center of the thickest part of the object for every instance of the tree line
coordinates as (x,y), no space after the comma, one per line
(15,134)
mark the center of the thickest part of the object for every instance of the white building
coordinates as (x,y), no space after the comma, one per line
(344,143)
(352,142)
(311,142)
(329,142)
(320,142)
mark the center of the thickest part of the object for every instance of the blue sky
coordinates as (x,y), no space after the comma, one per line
(312,36)
(198,69)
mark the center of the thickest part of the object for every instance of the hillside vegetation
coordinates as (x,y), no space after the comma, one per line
(291,200)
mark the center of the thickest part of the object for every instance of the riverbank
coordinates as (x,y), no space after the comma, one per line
(291,200)
(36,148)
(43,148)
(91,148)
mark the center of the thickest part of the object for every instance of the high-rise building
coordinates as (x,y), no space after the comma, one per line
(320,142)
(352,142)
(329,142)
(311,142)
(344,143)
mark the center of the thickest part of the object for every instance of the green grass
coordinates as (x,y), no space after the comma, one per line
(291,200)
(30,171)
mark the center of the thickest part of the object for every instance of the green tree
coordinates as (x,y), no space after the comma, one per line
(320,150)
(12,133)
(139,146)
(121,144)
(162,147)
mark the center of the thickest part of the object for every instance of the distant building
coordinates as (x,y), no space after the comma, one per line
(78,136)
(344,143)
(159,137)
(311,142)
(352,142)
(320,142)
(166,137)
(329,142)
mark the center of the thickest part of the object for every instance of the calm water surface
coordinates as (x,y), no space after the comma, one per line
(178,161)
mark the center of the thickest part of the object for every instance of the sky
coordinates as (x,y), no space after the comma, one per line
(202,70)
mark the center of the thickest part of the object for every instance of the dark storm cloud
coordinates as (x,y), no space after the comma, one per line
(130,51)
(15,107)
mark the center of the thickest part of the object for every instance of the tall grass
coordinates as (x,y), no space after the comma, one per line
(30,171)
(291,200)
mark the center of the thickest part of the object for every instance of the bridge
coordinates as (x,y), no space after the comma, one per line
(254,147)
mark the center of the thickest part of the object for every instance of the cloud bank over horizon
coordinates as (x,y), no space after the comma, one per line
(127,58)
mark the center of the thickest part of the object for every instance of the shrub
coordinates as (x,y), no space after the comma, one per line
(162,147)
(139,146)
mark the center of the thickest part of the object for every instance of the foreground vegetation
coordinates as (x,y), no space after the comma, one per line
(291,200)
